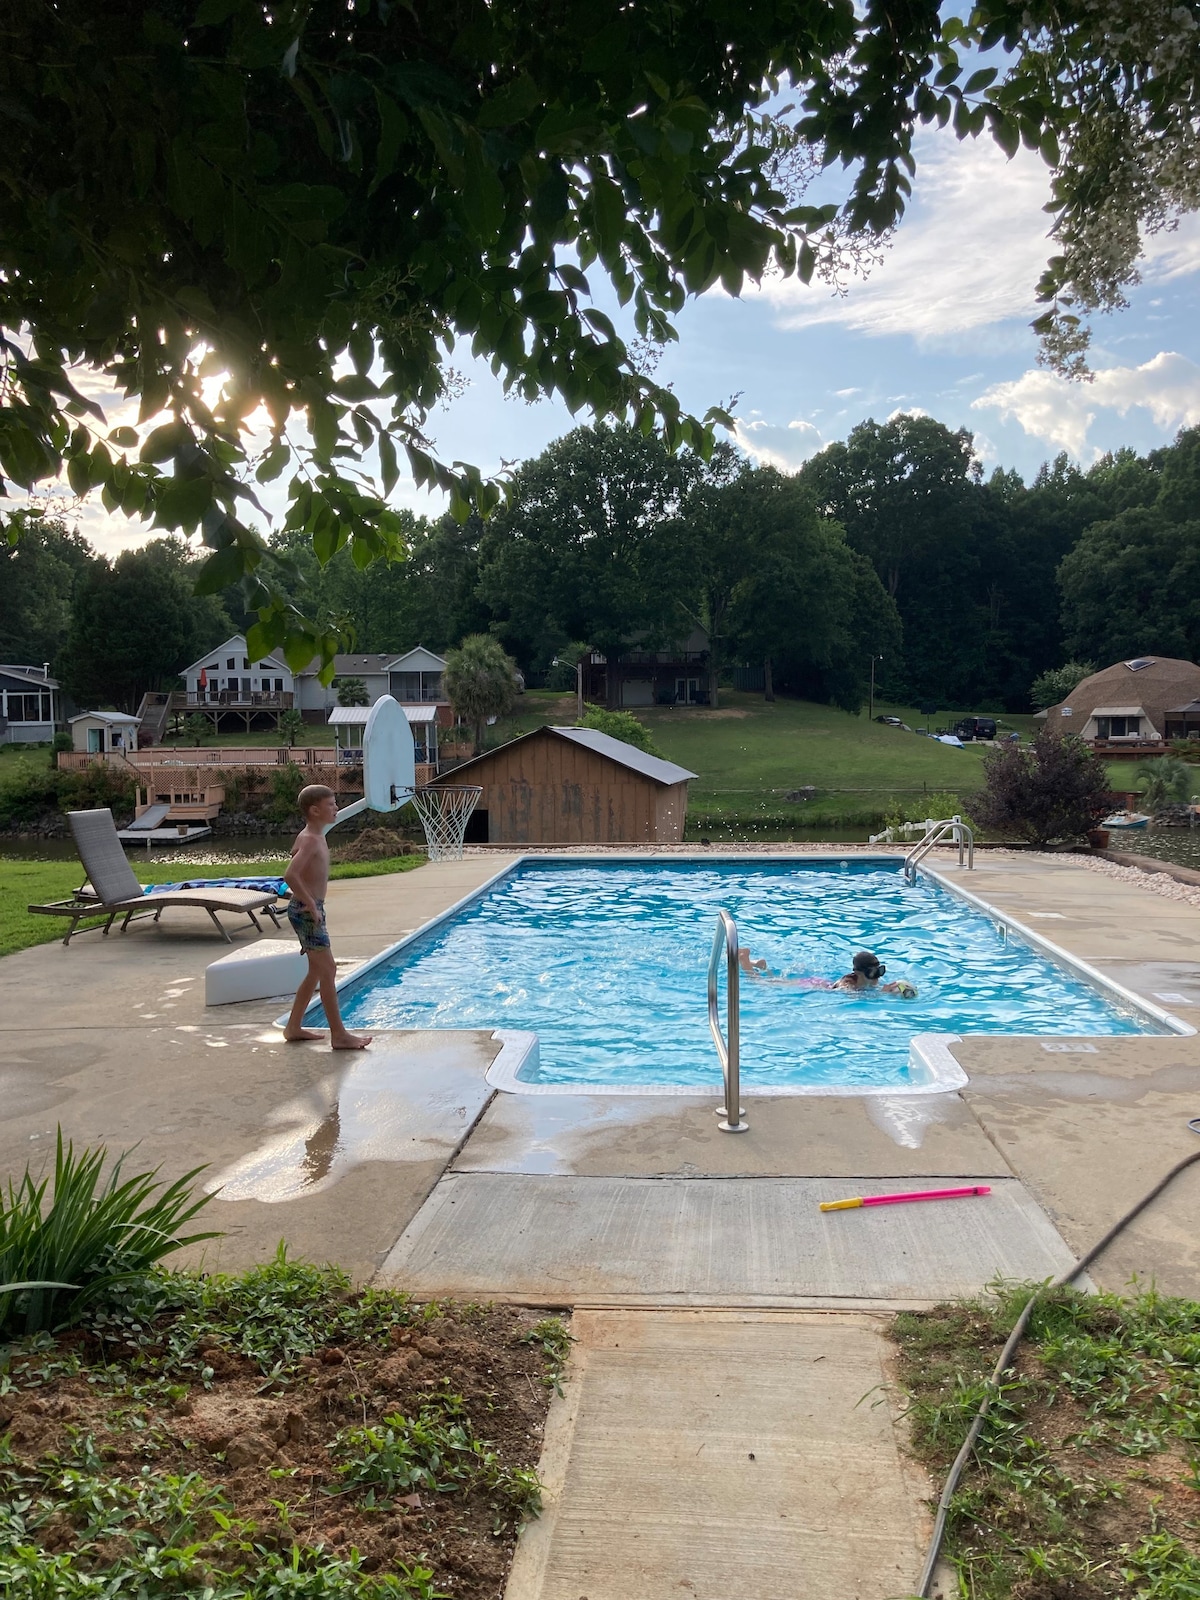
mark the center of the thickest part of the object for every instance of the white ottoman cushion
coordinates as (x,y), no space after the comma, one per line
(258,972)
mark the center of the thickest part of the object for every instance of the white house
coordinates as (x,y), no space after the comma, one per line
(413,678)
(225,675)
(101,732)
(30,705)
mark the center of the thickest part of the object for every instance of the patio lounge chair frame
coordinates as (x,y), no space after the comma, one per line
(115,891)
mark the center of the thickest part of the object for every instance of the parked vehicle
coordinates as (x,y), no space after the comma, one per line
(975,728)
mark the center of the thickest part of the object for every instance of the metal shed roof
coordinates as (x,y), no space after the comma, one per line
(627,754)
(356,716)
(106,716)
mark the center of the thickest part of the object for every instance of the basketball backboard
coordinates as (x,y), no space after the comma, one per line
(389,761)
(389,757)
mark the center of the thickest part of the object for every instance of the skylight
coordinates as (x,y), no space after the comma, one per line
(1139,662)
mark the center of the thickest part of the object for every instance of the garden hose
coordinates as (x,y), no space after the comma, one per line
(1006,1355)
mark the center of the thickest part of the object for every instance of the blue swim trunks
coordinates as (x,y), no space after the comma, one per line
(313,935)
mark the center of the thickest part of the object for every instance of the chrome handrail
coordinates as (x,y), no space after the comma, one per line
(726,938)
(948,827)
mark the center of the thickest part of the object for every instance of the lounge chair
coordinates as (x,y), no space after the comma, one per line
(113,891)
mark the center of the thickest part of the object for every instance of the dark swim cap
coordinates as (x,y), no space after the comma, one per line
(868,964)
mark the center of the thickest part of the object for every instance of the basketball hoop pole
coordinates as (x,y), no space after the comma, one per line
(357,807)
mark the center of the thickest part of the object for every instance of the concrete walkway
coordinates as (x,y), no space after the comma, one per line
(711,1455)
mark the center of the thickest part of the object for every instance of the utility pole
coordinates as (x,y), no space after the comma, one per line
(871,711)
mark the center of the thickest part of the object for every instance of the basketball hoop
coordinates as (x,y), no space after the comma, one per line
(444,809)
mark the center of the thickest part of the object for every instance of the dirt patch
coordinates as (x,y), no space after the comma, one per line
(374,844)
(330,1456)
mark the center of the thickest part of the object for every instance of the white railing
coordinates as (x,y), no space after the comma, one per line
(936,832)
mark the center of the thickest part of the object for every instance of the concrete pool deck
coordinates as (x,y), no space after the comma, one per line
(712,1434)
(111,1038)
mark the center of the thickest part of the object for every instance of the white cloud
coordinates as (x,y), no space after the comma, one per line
(968,253)
(771,444)
(1062,413)
(844,394)
(907,411)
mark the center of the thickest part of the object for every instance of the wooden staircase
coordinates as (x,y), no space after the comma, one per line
(154,711)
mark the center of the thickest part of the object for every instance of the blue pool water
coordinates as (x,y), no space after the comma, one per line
(608,963)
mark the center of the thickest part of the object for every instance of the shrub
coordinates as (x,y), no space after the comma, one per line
(30,792)
(57,1260)
(352,692)
(937,805)
(286,784)
(1167,781)
(60,743)
(197,727)
(621,725)
(291,725)
(1186,750)
(1055,790)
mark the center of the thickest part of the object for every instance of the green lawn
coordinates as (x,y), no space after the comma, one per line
(748,754)
(24,883)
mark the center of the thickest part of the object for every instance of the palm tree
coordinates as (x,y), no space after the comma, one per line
(481,682)
(1166,781)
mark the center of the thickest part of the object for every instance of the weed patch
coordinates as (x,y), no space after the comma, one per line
(273,1434)
(1086,1479)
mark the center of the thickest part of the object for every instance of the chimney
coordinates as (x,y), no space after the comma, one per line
(45,669)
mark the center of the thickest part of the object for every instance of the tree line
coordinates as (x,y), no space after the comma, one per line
(890,545)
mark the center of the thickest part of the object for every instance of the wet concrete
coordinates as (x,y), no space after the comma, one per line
(818,1136)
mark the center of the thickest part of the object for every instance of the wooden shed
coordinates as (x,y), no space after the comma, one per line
(574,786)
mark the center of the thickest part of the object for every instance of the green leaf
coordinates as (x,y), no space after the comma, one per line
(221,569)
(273,463)
(388,465)
(125,437)
(393,130)
(164,441)
(514,102)
(982,79)
(182,502)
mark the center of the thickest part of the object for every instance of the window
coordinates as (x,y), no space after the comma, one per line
(1139,662)
(29,708)
(279,685)
(1118,727)
(245,663)
(406,685)
(431,686)
(230,664)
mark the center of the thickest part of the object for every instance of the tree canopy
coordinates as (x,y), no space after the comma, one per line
(236,212)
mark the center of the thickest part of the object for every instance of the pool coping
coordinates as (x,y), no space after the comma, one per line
(929,1053)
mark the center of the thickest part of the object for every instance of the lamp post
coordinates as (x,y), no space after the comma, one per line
(871,711)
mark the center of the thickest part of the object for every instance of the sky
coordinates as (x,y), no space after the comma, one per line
(940,326)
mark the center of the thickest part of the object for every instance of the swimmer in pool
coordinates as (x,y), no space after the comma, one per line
(865,972)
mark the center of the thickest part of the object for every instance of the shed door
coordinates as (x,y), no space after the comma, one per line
(637,692)
(95,741)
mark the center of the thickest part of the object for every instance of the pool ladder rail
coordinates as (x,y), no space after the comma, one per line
(952,828)
(725,938)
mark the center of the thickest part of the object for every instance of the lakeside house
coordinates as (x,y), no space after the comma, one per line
(413,677)
(1133,707)
(675,675)
(30,705)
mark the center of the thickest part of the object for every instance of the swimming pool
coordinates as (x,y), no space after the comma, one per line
(606,961)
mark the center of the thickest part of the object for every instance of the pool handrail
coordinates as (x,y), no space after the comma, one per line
(725,937)
(953,828)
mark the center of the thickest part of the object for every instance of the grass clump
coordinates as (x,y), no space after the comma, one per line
(1086,1478)
(438,1451)
(58,1258)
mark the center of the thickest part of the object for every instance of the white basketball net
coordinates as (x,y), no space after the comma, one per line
(444,810)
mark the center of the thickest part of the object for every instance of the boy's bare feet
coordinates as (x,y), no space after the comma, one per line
(301,1034)
(349,1041)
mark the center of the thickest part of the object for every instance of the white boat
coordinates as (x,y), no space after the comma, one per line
(1126,820)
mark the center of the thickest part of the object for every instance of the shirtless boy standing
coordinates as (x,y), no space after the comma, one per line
(307,877)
